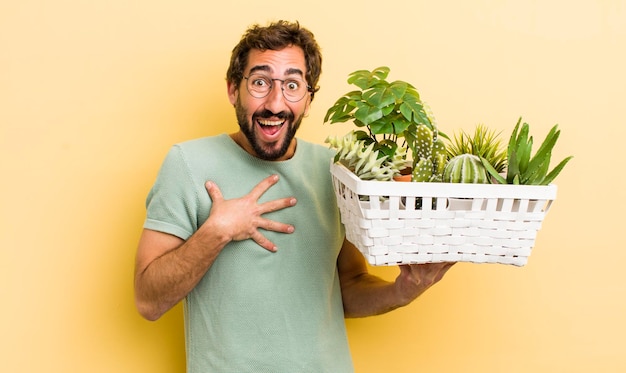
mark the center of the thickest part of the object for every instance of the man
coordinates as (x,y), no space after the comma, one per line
(245,228)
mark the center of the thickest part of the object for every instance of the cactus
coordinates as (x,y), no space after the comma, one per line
(484,143)
(440,158)
(423,170)
(429,150)
(465,168)
(363,160)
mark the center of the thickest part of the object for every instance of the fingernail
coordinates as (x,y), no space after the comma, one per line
(293,201)
(290,229)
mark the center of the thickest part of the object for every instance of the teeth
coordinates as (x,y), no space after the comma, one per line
(266,122)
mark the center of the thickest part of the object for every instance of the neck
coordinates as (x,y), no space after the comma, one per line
(240,139)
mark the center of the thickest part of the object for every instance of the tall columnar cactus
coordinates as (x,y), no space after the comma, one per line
(440,158)
(429,151)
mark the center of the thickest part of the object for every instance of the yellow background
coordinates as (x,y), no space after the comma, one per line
(93,93)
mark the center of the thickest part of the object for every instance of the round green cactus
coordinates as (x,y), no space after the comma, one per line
(465,168)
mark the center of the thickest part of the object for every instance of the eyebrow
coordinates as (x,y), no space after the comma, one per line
(266,68)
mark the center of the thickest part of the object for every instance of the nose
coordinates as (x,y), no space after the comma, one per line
(275,101)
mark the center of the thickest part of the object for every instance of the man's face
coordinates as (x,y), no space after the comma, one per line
(270,123)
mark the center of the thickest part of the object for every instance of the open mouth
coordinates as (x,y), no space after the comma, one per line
(270,127)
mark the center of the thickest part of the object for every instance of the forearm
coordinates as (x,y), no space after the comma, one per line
(368,295)
(167,279)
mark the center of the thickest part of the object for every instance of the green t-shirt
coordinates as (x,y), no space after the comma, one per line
(257,311)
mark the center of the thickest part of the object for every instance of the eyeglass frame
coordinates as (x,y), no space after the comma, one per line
(282,88)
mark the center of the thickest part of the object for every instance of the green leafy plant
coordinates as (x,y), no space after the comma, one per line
(484,142)
(524,168)
(465,151)
(390,119)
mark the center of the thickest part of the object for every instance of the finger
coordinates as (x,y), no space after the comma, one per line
(277,204)
(263,186)
(445,268)
(262,241)
(434,267)
(440,269)
(430,272)
(406,269)
(271,225)
(214,192)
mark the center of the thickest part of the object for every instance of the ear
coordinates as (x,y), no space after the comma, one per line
(233,92)
(307,105)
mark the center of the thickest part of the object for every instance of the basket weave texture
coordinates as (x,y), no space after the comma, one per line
(409,223)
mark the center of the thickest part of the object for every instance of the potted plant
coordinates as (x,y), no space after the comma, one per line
(407,223)
(391,122)
(466,152)
(524,168)
(480,158)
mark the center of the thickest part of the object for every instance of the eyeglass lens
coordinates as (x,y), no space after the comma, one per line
(259,86)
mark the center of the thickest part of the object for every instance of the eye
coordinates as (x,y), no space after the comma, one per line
(260,82)
(292,85)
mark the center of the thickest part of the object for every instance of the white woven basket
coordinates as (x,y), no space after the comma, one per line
(407,222)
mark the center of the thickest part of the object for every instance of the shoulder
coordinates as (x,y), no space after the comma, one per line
(201,149)
(203,143)
(315,151)
(315,159)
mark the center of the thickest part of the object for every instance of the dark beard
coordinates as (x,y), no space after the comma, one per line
(268,153)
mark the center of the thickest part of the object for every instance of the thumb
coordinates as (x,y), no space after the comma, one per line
(214,192)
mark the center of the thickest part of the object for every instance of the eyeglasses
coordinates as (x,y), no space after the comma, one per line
(260,86)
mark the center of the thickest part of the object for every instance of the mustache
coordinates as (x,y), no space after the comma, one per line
(268,113)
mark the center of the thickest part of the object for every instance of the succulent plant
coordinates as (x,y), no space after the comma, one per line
(484,143)
(465,168)
(363,160)
(429,154)
(524,168)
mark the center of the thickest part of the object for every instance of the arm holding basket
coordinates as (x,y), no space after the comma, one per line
(365,294)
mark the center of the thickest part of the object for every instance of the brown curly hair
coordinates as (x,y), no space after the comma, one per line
(276,36)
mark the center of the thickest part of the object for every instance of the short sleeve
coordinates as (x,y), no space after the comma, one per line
(172,203)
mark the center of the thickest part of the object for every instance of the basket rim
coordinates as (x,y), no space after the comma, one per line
(425,189)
